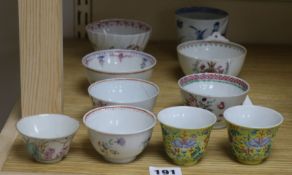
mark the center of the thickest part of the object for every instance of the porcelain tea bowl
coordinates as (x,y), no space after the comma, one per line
(185,131)
(215,55)
(118,34)
(119,133)
(47,136)
(100,65)
(197,23)
(251,130)
(124,91)
(214,92)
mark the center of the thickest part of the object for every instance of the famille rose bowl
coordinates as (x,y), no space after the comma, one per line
(119,133)
(186,132)
(47,136)
(215,55)
(118,34)
(214,92)
(124,91)
(118,63)
(251,130)
(197,23)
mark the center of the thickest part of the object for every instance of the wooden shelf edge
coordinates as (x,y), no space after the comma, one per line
(9,133)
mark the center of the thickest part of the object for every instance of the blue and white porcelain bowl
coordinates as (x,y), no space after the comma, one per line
(118,63)
(197,23)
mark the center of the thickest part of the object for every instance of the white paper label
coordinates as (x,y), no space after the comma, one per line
(164,170)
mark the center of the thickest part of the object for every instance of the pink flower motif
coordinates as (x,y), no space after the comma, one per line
(49,153)
(221,105)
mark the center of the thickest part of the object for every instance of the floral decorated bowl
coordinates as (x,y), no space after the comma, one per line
(186,131)
(119,133)
(197,23)
(124,91)
(215,55)
(214,92)
(251,130)
(115,63)
(118,34)
(47,136)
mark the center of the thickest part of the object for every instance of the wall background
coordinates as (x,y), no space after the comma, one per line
(251,21)
(9,58)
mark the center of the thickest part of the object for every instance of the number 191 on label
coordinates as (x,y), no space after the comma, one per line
(165,171)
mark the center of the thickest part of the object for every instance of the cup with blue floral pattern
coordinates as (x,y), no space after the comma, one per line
(197,23)
(251,130)
(186,132)
(47,136)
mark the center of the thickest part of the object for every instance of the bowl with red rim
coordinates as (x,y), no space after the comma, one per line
(119,34)
(119,133)
(214,92)
(114,63)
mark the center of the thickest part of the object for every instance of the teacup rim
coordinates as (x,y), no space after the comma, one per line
(214,96)
(48,115)
(148,31)
(189,107)
(127,79)
(213,10)
(149,113)
(119,73)
(181,46)
(254,106)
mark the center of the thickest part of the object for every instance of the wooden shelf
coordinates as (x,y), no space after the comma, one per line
(268,69)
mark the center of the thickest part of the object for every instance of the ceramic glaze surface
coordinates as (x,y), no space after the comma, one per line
(183,117)
(118,63)
(212,88)
(197,23)
(134,92)
(118,34)
(214,92)
(47,136)
(40,126)
(253,116)
(186,132)
(114,120)
(119,133)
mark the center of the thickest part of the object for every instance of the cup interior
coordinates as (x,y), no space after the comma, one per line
(215,85)
(119,27)
(47,126)
(201,13)
(118,61)
(253,116)
(123,90)
(210,50)
(119,120)
(185,117)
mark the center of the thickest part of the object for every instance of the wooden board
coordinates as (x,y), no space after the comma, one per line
(41,56)
(268,69)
